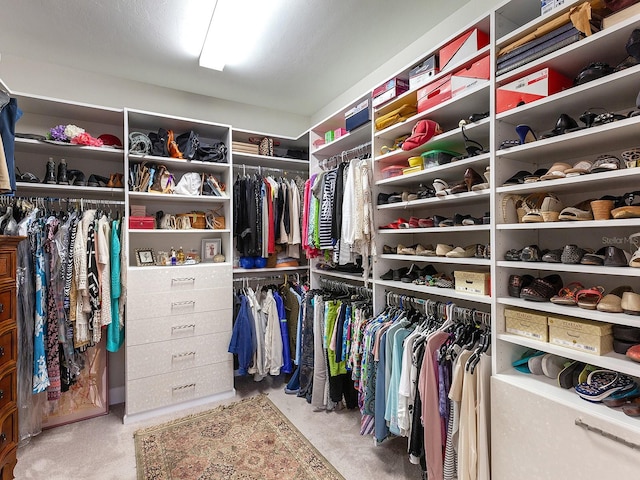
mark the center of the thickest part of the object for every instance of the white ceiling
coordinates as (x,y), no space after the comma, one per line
(311,51)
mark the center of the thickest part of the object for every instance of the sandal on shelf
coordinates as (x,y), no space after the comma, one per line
(567,294)
(542,289)
(589,298)
(549,210)
(535,176)
(564,124)
(517,178)
(580,212)
(630,208)
(517,283)
(556,171)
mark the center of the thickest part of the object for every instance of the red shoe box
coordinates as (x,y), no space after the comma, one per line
(389,90)
(470,77)
(143,223)
(434,93)
(530,88)
(462,48)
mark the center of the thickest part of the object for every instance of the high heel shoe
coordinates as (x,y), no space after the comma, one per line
(472,147)
(526,134)
(471,178)
(564,124)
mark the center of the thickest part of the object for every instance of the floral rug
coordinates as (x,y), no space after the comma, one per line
(247,440)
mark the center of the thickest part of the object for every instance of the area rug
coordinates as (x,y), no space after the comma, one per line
(247,440)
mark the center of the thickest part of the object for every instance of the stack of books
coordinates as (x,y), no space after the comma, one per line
(242,147)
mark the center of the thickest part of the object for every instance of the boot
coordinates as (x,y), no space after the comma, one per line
(62,173)
(50,176)
(76,177)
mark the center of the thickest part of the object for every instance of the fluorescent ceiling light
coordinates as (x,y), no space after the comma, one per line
(236,26)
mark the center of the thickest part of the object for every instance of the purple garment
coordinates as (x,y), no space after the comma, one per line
(287,366)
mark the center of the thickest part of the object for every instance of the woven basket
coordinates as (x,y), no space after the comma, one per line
(602,209)
(197,219)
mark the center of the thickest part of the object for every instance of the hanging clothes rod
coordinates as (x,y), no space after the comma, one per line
(341,287)
(343,156)
(268,277)
(33,199)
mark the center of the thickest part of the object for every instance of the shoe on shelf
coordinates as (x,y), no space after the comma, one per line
(612,301)
(76,177)
(62,173)
(97,181)
(388,250)
(50,176)
(115,181)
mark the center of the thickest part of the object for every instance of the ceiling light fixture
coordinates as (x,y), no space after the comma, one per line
(235,27)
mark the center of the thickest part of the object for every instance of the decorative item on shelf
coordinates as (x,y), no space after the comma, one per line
(71,135)
(210,248)
(143,223)
(218,258)
(163,258)
(145,257)
(109,140)
(192,257)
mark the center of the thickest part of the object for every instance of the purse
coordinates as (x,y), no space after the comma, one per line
(163,181)
(159,143)
(189,184)
(188,144)
(215,220)
(172,146)
(266,147)
(216,152)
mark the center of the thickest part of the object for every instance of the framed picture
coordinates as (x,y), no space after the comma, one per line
(145,257)
(210,248)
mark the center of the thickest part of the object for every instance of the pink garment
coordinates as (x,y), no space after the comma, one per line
(434,441)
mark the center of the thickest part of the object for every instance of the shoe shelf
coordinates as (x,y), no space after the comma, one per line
(181,164)
(435,291)
(411,96)
(625,222)
(607,45)
(571,268)
(611,360)
(434,259)
(31,146)
(448,113)
(457,198)
(548,388)
(548,307)
(455,229)
(454,169)
(173,197)
(587,142)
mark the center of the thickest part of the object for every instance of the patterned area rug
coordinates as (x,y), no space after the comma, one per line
(247,440)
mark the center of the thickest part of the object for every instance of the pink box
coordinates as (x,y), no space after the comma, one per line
(338,132)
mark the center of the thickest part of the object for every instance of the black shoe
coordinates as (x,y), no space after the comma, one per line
(62,173)
(50,176)
(76,177)
(383,198)
(398,274)
(412,274)
(388,275)
(97,181)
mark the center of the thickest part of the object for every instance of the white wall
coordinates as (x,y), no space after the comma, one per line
(409,55)
(56,81)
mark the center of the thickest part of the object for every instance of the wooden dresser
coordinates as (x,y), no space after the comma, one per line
(8,357)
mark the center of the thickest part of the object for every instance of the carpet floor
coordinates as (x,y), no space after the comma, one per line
(247,440)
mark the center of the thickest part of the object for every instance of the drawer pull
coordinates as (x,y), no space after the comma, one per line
(184,327)
(1,307)
(1,393)
(1,351)
(580,423)
(183,279)
(178,356)
(3,437)
(184,387)
(186,303)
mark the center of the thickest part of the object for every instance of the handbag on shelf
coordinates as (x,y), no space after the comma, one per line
(172,146)
(188,144)
(189,184)
(215,219)
(159,143)
(163,181)
(266,147)
(216,152)
(193,219)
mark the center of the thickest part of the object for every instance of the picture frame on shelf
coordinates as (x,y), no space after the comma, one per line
(210,248)
(145,257)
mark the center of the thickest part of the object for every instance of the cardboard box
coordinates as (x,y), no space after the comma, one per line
(358,115)
(471,77)
(389,95)
(463,47)
(585,335)
(434,93)
(144,223)
(621,15)
(548,6)
(421,74)
(475,283)
(530,88)
(526,323)
(394,83)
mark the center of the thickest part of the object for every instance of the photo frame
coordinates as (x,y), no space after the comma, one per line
(145,257)
(210,248)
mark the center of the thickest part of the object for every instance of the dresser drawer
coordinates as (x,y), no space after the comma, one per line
(154,305)
(7,388)
(176,355)
(7,265)
(8,346)
(8,431)
(176,279)
(188,325)
(7,304)
(172,388)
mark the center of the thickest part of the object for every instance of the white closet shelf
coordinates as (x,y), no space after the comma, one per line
(181,163)
(69,190)
(450,170)
(615,92)
(606,45)
(258,271)
(28,145)
(584,142)
(463,229)
(577,312)
(449,112)
(267,161)
(197,265)
(410,97)
(439,292)
(561,267)
(624,222)
(79,112)
(358,277)
(178,198)
(418,258)
(611,361)
(458,198)
(352,139)
(547,388)
(160,231)
(625,178)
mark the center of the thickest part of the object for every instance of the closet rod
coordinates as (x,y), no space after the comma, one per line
(432,306)
(9,198)
(268,277)
(344,155)
(336,285)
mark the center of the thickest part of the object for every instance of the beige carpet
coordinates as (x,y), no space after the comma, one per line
(247,440)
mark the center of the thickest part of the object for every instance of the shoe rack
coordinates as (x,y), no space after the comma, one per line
(179,318)
(559,418)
